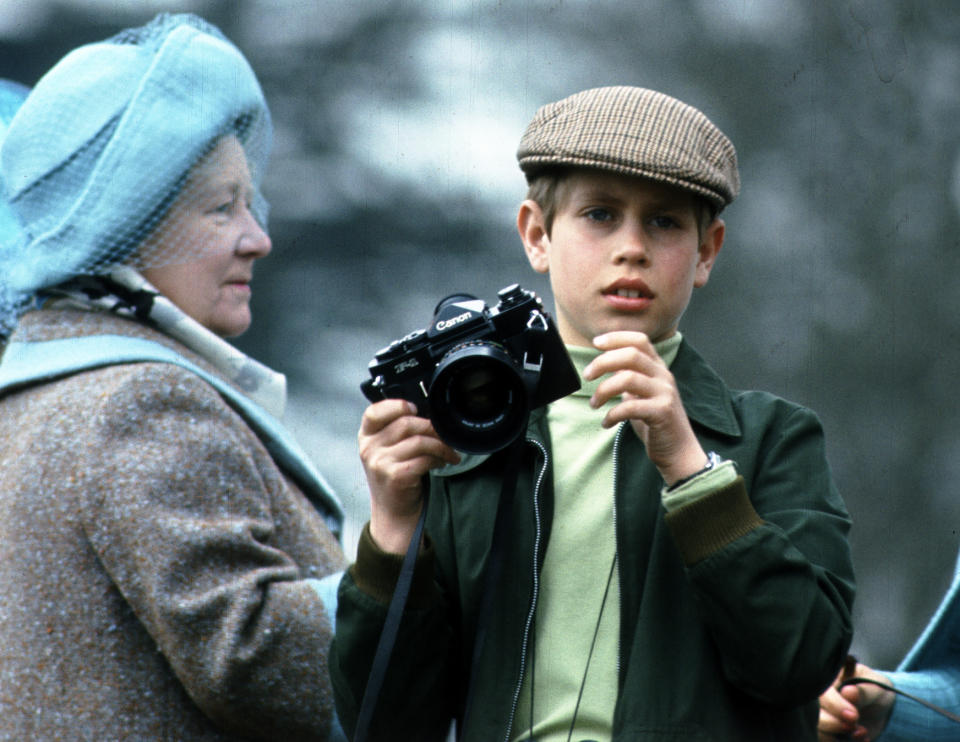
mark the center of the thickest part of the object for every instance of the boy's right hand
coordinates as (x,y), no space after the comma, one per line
(649,399)
(397,448)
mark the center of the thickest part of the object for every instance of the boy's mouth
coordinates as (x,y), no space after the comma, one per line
(629,288)
(628,294)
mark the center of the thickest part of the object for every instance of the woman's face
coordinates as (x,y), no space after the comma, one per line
(212,217)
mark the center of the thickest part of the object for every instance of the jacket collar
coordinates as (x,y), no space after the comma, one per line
(705,396)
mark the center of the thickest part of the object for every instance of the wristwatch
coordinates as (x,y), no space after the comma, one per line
(713,461)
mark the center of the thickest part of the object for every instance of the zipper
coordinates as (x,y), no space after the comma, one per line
(616,540)
(531,613)
(536,568)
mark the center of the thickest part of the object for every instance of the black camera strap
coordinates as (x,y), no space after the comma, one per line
(388,635)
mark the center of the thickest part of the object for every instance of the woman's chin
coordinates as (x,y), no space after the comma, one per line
(231,325)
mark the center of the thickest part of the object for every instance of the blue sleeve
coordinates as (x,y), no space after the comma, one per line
(326,588)
(911,721)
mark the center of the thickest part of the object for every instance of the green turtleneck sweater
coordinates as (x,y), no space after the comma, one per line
(579,570)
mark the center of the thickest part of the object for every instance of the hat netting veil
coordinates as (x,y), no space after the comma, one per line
(106,144)
(12,95)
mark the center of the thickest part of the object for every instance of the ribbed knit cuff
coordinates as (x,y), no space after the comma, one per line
(706,525)
(376,571)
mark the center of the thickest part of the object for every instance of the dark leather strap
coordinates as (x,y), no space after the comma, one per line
(921,701)
(847,678)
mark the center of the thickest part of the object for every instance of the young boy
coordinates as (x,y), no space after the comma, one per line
(677,564)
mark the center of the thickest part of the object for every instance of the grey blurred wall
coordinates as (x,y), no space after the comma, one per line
(393,183)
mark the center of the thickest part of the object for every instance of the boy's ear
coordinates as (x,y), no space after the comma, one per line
(533,233)
(710,244)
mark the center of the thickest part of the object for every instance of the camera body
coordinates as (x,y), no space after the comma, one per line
(477,372)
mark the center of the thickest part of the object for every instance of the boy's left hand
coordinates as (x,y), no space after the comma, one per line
(650,400)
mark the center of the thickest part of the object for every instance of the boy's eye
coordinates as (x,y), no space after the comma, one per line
(599,214)
(663,221)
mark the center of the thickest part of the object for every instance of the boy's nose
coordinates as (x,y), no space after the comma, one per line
(631,248)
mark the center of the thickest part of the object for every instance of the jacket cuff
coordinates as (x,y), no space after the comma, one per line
(708,524)
(700,485)
(376,571)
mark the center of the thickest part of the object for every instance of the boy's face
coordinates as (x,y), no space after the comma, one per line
(623,253)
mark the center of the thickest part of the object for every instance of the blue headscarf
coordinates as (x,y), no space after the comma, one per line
(12,95)
(104,140)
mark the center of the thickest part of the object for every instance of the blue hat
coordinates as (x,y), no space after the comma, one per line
(12,95)
(110,132)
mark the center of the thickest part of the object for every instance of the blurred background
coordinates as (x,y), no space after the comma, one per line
(393,183)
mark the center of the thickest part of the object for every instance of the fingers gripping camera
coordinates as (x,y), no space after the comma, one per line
(477,372)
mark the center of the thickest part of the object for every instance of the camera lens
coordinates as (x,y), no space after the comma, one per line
(477,394)
(478,400)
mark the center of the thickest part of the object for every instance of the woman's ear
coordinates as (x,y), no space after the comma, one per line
(533,233)
(710,244)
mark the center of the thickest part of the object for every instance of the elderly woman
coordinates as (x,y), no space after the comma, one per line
(163,542)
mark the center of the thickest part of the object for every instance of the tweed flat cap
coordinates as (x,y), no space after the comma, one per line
(633,131)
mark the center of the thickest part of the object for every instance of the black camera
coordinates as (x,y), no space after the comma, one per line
(477,372)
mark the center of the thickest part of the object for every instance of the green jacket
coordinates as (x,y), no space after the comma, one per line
(735,609)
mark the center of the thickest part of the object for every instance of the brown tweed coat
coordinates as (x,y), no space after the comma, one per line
(154,561)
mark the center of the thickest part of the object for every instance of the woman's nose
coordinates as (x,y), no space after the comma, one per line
(255,241)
